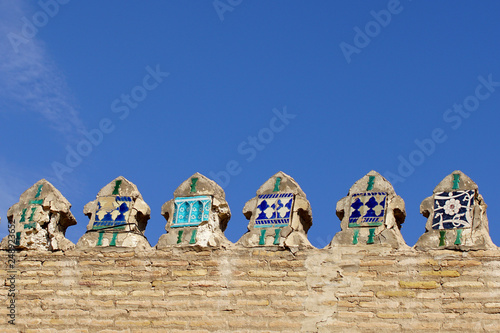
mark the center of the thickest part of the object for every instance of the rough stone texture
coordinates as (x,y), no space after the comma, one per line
(41,218)
(129,235)
(345,288)
(475,238)
(208,233)
(294,235)
(387,233)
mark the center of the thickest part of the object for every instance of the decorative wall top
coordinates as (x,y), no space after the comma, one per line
(371,213)
(197,215)
(118,217)
(280,215)
(456,216)
(41,218)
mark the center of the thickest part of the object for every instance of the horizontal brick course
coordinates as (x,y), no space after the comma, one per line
(255,290)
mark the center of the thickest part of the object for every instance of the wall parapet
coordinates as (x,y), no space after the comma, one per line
(254,289)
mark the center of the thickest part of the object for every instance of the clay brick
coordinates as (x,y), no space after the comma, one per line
(147,293)
(357,314)
(194,272)
(396,293)
(247,284)
(395,315)
(208,323)
(418,284)
(460,263)
(376,262)
(170,284)
(287,283)
(463,284)
(110,272)
(462,305)
(380,304)
(129,323)
(288,263)
(440,273)
(91,303)
(187,313)
(425,326)
(109,313)
(285,324)
(374,325)
(262,302)
(132,284)
(109,293)
(59,263)
(268,274)
(169,323)
(462,325)
(224,293)
(26,263)
(96,263)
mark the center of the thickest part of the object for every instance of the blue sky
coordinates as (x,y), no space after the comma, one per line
(410,89)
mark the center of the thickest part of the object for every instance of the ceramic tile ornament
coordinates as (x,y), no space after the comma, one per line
(370,214)
(279,215)
(41,218)
(197,215)
(367,209)
(274,210)
(453,209)
(191,211)
(456,217)
(118,217)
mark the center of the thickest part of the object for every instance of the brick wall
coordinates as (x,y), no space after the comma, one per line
(358,288)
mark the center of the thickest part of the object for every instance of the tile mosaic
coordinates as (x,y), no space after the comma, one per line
(367,209)
(112,211)
(191,211)
(453,210)
(274,210)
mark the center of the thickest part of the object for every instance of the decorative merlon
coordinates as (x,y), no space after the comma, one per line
(279,215)
(456,216)
(41,218)
(370,214)
(196,216)
(118,217)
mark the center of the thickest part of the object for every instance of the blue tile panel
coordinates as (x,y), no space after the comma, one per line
(367,209)
(274,210)
(112,211)
(191,211)
(453,210)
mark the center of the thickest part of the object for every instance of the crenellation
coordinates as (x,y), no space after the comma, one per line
(214,285)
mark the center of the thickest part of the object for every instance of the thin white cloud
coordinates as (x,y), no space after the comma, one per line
(12,186)
(29,80)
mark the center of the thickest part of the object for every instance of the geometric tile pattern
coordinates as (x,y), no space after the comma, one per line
(452,210)
(112,211)
(274,210)
(367,209)
(191,211)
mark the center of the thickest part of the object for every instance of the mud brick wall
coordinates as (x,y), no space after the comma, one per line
(254,290)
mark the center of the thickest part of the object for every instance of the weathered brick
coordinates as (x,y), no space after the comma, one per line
(418,284)
(249,302)
(129,323)
(263,273)
(194,272)
(396,293)
(461,263)
(377,262)
(395,315)
(440,273)
(463,284)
